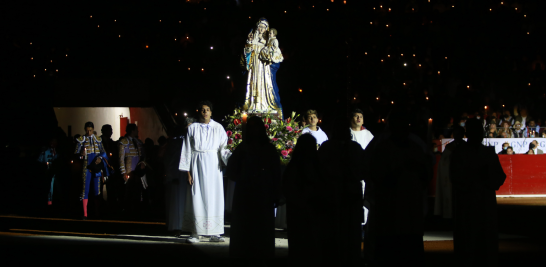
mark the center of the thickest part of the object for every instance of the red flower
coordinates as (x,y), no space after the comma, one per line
(284,153)
(236,122)
(230,141)
(274,139)
(288,120)
(289,128)
(289,151)
(267,126)
(269,121)
(229,133)
(237,136)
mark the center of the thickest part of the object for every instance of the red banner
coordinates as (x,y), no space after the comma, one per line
(525,175)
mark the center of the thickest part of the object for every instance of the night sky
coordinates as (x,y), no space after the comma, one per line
(462,55)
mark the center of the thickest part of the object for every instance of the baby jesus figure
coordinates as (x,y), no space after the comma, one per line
(271,53)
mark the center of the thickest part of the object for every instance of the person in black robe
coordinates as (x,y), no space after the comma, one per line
(341,161)
(476,173)
(300,184)
(255,168)
(400,171)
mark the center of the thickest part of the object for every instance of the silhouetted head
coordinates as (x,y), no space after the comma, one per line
(474,131)
(399,124)
(340,131)
(107,131)
(53,142)
(458,132)
(255,131)
(131,130)
(306,147)
(162,140)
(149,142)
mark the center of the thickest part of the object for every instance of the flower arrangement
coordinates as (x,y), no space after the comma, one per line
(283,134)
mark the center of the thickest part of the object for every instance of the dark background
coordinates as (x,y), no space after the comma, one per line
(331,52)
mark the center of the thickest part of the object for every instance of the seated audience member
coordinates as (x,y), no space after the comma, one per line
(517,132)
(492,118)
(544,134)
(504,148)
(522,117)
(532,130)
(492,131)
(510,151)
(506,130)
(507,117)
(535,148)
(530,152)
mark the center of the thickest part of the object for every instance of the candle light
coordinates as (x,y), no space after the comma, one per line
(71,161)
(176,114)
(185,114)
(110,154)
(244,116)
(427,97)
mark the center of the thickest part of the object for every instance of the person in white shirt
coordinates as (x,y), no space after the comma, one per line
(363,137)
(313,129)
(359,134)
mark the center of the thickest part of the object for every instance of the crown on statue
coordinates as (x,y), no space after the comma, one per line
(264,21)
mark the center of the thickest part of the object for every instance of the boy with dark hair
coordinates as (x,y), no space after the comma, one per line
(312,128)
(203,151)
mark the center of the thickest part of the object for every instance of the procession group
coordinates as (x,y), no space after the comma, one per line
(353,188)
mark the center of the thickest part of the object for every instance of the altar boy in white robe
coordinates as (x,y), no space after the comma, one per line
(203,151)
(363,137)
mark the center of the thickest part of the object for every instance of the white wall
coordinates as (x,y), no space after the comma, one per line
(77,117)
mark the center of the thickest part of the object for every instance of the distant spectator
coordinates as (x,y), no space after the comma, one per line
(532,130)
(507,118)
(517,132)
(535,149)
(492,131)
(522,117)
(530,152)
(506,131)
(505,147)
(509,150)
(493,118)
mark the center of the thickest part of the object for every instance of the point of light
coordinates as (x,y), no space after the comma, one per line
(405,64)
(228,77)
(185,114)
(176,114)
(211,48)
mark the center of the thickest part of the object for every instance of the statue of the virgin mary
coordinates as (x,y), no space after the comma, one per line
(262,59)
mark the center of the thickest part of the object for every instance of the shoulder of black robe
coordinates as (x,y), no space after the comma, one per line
(234,168)
(494,169)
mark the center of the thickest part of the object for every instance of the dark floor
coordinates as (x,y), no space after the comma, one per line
(54,238)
